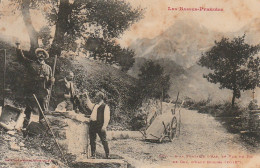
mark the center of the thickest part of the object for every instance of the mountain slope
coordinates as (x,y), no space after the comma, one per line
(182,44)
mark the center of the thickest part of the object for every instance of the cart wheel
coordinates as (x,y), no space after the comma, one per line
(173,129)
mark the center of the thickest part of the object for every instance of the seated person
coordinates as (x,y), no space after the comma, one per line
(68,91)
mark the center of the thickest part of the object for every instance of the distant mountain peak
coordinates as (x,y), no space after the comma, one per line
(179,47)
(182,42)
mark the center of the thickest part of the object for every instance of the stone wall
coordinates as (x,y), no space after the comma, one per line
(71,131)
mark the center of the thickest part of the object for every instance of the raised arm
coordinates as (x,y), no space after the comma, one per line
(20,54)
(88,102)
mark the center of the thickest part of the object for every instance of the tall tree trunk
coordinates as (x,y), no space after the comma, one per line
(33,34)
(61,27)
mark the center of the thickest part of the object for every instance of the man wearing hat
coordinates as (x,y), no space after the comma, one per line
(37,80)
(99,120)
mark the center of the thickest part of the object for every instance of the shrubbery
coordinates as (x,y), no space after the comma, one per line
(123,92)
(120,88)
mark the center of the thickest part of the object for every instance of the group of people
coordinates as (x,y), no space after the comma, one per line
(39,80)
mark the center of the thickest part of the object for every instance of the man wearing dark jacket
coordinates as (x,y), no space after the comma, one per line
(37,80)
(99,120)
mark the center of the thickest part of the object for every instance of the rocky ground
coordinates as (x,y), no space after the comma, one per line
(19,152)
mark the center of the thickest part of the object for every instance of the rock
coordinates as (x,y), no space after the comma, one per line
(36,128)
(21,144)
(71,131)
(12,139)
(8,127)
(11,132)
(111,163)
(14,146)
(10,116)
(7,138)
(124,135)
(19,122)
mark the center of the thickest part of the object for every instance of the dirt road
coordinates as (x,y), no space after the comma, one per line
(203,142)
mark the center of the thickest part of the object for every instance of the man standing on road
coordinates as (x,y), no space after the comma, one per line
(37,80)
(99,120)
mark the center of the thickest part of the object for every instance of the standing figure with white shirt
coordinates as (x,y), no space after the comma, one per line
(99,120)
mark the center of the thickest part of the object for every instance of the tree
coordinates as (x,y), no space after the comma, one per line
(234,65)
(44,35)
(125,58)
(62,24)
(115,19)
(153,82)
(111,53)
(25,8)
(72,20)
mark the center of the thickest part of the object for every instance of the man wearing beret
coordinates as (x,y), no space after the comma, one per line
(37,80)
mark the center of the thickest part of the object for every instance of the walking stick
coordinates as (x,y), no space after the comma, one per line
(52,75)
(49,128)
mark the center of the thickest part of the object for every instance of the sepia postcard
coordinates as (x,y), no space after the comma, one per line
(129,83)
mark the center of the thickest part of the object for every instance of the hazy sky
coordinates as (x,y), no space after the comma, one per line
(157,17)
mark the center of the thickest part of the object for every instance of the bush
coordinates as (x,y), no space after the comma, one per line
(120,88)
(138,121)
(192,105)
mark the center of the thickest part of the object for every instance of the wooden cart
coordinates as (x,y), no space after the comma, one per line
(164,126)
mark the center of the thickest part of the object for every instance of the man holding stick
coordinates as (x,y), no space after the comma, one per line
(38,81)
(99,120)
